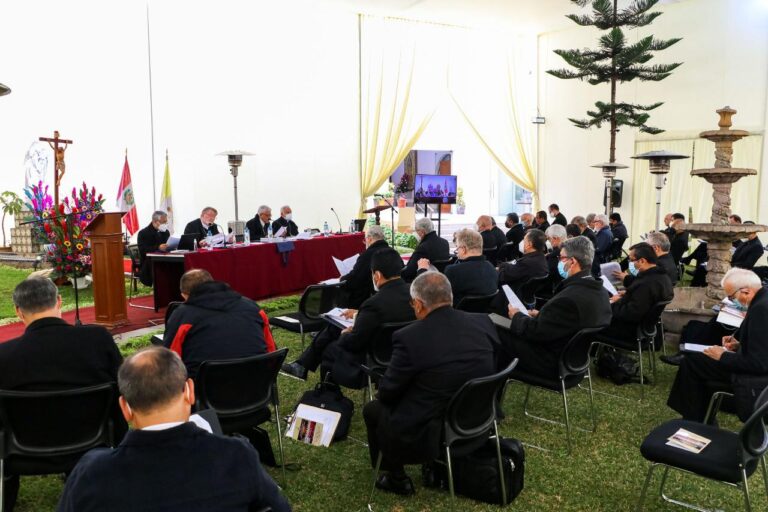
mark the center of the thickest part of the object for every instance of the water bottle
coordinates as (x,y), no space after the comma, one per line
(247,236)
(352,226)
(326,229)
(194,245)
(269,232)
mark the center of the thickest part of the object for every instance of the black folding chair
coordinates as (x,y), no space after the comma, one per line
(380,352)
(730,457)
(476,303)
(157,339)
(469,421)
(441,264)
(491,254)
(573,365)
(46,432)
(133,252)
(316,300)
(527,291)
(241,390)
(645,337)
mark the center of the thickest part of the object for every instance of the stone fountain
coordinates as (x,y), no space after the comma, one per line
(696,303)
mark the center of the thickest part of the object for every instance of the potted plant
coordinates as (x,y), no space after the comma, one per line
(460,204)
(11,205)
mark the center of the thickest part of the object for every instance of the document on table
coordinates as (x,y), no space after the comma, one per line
(346,266)
(334,316)
(280,232)
(172,243)
(607,270)
(693,347)
(514,300)
(608,285)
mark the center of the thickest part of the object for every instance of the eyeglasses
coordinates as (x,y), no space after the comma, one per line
(563,258)
(733,295)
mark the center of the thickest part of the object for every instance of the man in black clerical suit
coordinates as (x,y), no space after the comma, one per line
(677,237)
(739,360)
(430,246)
(514,236)
(748,252)
(556,235)
(664,261)
(167,462)
(205,225)
(257,226)
(620,234)
(540,222)
(51,354)
(389,304)
(554,211)
(492,237)
(285,220)
(431,359)
(579,302)
(357,283)
(586,229)
(151,239)
(649,286)
(533,263)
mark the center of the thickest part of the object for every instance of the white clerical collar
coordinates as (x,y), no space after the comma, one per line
(163,426)
(205,226)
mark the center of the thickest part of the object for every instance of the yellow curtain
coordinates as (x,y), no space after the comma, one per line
(402,80)
(490,79)
(683,191)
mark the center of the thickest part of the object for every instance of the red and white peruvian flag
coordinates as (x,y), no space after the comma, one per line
(125,200)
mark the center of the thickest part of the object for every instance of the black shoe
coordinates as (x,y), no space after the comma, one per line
(294,369)
(397,485)
(674,360)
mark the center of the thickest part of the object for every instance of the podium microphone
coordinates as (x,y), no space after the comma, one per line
(337,219)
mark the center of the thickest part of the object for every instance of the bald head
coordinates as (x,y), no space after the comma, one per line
(484,223)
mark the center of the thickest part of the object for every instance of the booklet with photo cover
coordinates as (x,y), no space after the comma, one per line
(688,441)
(313,425)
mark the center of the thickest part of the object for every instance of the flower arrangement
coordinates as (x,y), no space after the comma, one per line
(62,228)
(404,185)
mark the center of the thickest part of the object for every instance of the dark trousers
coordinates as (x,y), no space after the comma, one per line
(10,492)
(533,359)
(313,355)
(704,333)
(697,379)
(373,414)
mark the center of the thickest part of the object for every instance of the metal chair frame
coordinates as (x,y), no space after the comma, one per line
(133,252)
(303,307)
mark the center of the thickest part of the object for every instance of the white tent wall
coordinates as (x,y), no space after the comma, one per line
(725,55)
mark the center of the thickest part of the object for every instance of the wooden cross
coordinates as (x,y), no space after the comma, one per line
(59,165)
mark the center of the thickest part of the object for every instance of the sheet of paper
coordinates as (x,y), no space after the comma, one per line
(730,317)
(173,243)
(608,285)
(329,420)
(280,232)
(201,422)
(334,280)
(514,301)
(694,347)
(334,316)
(287,319)
(345,267)
(607,270)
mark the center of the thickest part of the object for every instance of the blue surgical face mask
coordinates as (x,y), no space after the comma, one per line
(561,270)
(739,305)
(633,269)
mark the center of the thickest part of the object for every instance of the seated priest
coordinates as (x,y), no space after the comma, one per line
(554,212)
(285,221)
(431,359)
(739,364)
(604,239)
(526,220)
(357,283)
(472,274)
(748,251)
(514,235)
(579,302)
(532,263)
(167,462)
(556,235)
(215,322)
(430,246)
(492,235)
(678,238)
(258,225)
(152,238)
(390,303)
(540,221)
(204,226)
(661,246)
(585,226)
(649,286)
(620,234)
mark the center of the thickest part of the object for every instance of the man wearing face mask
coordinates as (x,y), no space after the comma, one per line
(650,285)
(661,245)
(579,302)
(152,238)
(431,247)
(531,264)
(286,220)
(748,251)
(738,364)
(389,304)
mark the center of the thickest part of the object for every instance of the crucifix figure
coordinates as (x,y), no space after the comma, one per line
(59,165)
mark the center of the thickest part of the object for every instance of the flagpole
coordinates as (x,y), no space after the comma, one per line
(151,113)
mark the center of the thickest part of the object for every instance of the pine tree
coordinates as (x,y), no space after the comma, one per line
(616,61)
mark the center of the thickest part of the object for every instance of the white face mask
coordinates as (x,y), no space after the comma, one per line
(289,216)
(162,228)
(375,288)
(521,246)
(549,245)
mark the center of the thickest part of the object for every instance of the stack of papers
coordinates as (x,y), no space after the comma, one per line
(514,300)
(688,441)
(693,347)
(346,266)
(607,270)
(729,315)
(608,285)
(334,316)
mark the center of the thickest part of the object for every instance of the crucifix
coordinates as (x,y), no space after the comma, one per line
(59,166)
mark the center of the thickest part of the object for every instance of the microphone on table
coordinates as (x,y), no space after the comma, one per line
(337,219)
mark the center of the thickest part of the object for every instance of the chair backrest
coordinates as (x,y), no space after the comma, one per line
(57,423)
(171,308)
(648,324)
(441,264)
(238,387)
(491,254)
(381,349)
(318,299)
(135,255)
(528,289)
(753,436)
(472,409)
(476,303)
(574,360)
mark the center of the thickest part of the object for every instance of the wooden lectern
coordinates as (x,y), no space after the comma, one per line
(106,235)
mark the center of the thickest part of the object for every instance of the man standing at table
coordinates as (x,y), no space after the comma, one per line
(205,225)
(259,224)
(286,221)
(151,239)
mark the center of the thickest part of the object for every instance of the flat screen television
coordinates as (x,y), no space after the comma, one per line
(434,188)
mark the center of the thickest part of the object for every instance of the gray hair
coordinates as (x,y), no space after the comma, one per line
(556,231)
(660,240)
(151,378)
(375,233)
(591,217)
(432,288)
(263,209)
(742,278)
(209,209)
(470,239)
(159,214)
(284,207)
(580,221)
(579,248)
(35,294)
(602,218)
(425,224)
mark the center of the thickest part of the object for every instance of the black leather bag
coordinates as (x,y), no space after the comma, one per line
(328,396)
(476,475)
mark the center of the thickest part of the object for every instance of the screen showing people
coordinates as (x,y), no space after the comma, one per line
(432,188)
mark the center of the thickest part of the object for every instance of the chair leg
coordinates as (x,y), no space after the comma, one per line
(370,389)
(375,477)
(280,444)
(450,470)
(525,401)
(640,358)
(765,474)
(567,417)
(501,465)
(301,330)
(2,485)
(643,492)
(745,488)
(591,401)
